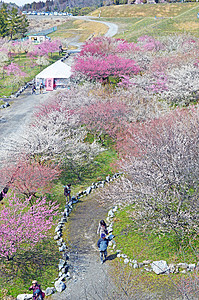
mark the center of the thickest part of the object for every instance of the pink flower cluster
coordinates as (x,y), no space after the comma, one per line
(22,224)
(103,67)
(14,69)
(44,48)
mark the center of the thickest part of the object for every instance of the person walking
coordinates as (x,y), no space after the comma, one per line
(34,89)
(41,86)
(102,228)
(102,244)
(37,292)
(67,191)
(60,50)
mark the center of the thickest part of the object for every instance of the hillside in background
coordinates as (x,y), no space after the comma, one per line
(154,20)
(61,5)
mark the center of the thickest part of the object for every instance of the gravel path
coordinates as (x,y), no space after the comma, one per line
(90,279)
(14,118)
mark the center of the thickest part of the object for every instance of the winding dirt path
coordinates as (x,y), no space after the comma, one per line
(90,279)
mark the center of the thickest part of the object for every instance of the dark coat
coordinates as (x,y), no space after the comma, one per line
(67,190)
(102,244)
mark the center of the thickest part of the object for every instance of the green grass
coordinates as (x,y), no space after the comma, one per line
(63,30)
(97,171)
(149,246)
(39,263)
(6,83)
(131,29)
(99,168)
(139,284)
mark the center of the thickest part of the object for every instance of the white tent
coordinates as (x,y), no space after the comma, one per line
(58,70)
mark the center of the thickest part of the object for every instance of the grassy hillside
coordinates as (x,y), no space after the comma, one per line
(155,20)
(79,29)
(142,11)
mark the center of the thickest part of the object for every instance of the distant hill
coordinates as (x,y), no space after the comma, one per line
(61,5)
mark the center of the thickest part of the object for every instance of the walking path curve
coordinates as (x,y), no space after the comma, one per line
(112,28)
(90,280)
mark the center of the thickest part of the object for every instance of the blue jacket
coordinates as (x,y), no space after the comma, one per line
(102,244)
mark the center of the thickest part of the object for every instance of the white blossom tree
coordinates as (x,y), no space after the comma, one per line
(161,173)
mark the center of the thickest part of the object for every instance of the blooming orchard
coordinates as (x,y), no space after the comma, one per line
(160,160)
(157,143)
(166,69)
(22,226)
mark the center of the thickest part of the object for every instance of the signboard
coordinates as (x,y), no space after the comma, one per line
(49,84)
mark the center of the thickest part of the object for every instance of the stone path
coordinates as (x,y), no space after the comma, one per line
(90,279)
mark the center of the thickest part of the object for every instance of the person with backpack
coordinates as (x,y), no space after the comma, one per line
(37,292)
(67,191)
(102,228)
(34,89)
(102,244)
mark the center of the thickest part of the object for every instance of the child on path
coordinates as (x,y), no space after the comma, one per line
(102,228)
(67,191)
(37,292)
(102,244)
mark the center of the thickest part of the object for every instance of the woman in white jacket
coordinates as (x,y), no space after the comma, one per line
(102,228)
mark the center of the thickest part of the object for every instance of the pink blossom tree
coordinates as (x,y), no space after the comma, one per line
(149,43)
(14,69)
(105,46)
(55,133)
(16,74)
(100,46)
(44,48)
(23,226)
(28,177)
(103,68)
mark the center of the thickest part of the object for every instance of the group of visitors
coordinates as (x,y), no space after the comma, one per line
(102,243)
(41,87)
